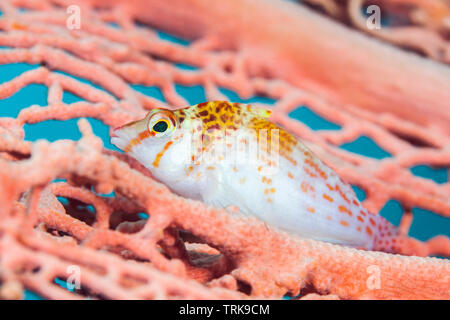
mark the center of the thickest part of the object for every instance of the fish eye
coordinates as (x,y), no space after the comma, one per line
(160,126)
(161,123)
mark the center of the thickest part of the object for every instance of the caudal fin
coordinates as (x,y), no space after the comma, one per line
(387,237)
(390,239)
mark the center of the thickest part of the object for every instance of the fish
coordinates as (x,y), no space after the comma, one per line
(230,155)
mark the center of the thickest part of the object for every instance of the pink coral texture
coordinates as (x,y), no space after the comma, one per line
(185,249)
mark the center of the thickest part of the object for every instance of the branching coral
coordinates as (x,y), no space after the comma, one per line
(423,26)
(186,249)
(284,262)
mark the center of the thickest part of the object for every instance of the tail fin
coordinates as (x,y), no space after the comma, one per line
(391,239)
(388,237)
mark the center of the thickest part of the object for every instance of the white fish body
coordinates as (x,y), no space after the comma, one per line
(291,189)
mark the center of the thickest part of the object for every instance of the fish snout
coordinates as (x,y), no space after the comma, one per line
(118,138)
(114,133)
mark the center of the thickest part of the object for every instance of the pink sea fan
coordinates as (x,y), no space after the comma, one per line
(186,249)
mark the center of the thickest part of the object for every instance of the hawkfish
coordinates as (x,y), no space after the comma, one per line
(230,155)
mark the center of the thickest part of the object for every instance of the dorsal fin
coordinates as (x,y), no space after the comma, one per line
(261,112)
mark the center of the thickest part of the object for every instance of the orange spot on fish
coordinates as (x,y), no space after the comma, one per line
(18,26)
(369,231)
(266,180)
(344,209)
(161,153)
(342,194)
(309,173)
(144,135)
(311,209)
(344,223)
(304,186)
(327,197)
(141,136)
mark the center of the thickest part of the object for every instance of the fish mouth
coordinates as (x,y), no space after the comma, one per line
(119,139)
(119,143)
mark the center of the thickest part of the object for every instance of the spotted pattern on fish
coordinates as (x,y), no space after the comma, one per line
(300,194)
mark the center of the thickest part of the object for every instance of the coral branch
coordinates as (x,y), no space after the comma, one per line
(246,241)
(392,80)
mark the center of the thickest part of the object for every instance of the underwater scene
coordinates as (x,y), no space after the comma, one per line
(202,150)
